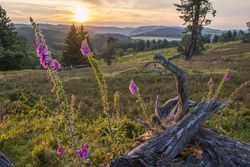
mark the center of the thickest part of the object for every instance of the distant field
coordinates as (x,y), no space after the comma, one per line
(218,58)
(24,138)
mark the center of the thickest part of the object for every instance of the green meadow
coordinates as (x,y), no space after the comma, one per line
(31,126)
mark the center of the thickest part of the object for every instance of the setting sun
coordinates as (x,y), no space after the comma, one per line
(81,14)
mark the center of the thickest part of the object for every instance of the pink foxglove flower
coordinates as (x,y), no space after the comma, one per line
(43,53)
(227,76)
(60,150)
(133,87)
(55,65)
(83,152)
(85,48)
(211,82)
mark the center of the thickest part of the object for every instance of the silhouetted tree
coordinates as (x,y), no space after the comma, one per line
(13,52)
(130,50)
(120,52)
(234,34)
(216,38)
(226,36)
(7,31)
(147,44)
(71,52)
(108,51)
(140,45)
(194,13)
(83,35)
(240,35)
(165,43)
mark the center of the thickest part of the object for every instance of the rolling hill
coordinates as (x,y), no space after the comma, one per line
(55,34)
(175,32)
(55,38)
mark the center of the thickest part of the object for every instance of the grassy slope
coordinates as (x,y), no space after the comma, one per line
(16,142)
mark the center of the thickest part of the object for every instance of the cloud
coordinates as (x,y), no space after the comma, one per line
(132,4)
(122,12)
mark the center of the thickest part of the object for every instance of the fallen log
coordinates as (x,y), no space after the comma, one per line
(5,162)
(184,142)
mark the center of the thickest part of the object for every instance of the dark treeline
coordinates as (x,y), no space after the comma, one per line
(14,51)
(230,36)
(147,45)
(114,48)
(226,36)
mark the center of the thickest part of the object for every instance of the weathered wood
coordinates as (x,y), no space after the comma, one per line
(169,143)
(182,91)
(166,148)
(5,162)
(169,108)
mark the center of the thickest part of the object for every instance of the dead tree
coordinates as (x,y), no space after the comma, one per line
(5,162)
(184,142)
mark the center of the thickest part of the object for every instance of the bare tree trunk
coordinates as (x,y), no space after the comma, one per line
(192,44)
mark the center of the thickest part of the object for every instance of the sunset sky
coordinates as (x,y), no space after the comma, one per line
(231,14)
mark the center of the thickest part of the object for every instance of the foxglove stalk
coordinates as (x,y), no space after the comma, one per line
(134,90)
(86,52)
(43,51)
(210,87)
(227,77)
(52,65)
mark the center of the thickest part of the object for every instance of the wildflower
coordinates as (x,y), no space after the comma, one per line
(85,48)
(83,152)
(47,61)
(133,87)
(44,60)
(42,51)
(44,54)
(60,150)
(55,65)
(211,82)
(227,76)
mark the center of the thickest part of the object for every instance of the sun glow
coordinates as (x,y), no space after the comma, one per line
(81,14)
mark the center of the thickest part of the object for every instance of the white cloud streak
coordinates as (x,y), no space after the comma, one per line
(231,14)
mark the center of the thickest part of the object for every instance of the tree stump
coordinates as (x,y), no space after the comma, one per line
(183,141)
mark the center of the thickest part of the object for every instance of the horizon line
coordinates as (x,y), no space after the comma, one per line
(128,26)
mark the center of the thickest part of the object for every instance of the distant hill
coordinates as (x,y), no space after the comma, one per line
(212,31)
(99,39)
(55,38)
(52,36)
(165,32)
(121,30)
(55,34)
(144,29)
(175,32)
